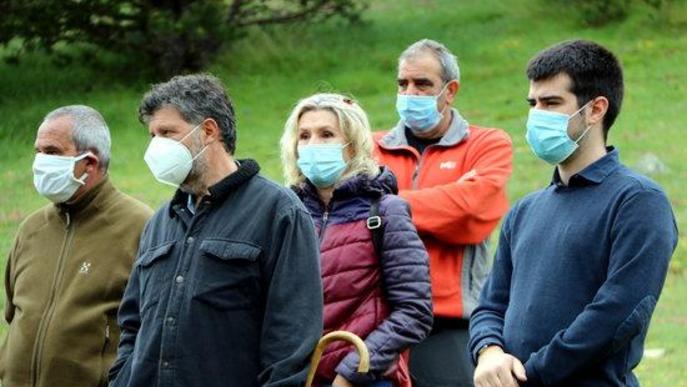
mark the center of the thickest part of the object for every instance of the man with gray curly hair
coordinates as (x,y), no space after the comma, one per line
(65,276)
(226,289)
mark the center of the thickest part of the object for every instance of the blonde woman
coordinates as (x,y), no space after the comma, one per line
(379,291)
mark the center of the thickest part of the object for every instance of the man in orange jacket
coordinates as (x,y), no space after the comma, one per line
(454,176)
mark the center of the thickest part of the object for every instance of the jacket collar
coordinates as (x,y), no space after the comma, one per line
(219,192)
(456,132)
(90,201)
(594,173)
(360,185)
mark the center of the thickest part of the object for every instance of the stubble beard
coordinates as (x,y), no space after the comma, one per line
(195,182)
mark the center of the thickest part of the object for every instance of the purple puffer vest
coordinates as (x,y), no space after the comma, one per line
(385,299)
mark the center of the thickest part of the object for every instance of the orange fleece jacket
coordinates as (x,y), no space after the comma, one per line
(457,194)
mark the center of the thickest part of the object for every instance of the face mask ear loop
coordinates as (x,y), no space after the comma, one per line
(204,146)
(588,127)
(191,132)
(580,109)
(186,136)
(81,180)
(199,153)
(582,135)
(441,113)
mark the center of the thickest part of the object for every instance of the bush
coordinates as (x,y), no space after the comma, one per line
(600,12)
(166,36)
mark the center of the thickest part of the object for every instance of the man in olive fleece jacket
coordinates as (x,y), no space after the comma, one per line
(70,261)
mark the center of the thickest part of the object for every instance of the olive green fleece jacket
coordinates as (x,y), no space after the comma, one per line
(65,276)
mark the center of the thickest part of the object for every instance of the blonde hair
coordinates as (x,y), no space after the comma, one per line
(353,123)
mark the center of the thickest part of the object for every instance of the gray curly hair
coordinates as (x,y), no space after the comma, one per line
(197,97)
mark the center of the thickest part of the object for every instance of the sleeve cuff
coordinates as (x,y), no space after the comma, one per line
(348,368)
(533,378)
(481,344)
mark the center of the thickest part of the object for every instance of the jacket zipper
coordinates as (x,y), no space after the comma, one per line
(325,217)
(107,339)
(50,309)
(418,167)
(416,173)
(419,159)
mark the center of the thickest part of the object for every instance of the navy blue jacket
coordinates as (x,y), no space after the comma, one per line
(230,296)
(577,274)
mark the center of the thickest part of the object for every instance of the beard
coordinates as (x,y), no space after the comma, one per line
(195,182)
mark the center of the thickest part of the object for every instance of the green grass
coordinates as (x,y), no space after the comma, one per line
(667,332)
(269,71)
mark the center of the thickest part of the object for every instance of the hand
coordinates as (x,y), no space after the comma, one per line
(496,368)
(340,381)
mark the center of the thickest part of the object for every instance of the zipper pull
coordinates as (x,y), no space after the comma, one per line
(68,217)
(325,215)
(107,330)
(416,173)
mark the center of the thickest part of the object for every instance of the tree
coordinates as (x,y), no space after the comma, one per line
(167,36)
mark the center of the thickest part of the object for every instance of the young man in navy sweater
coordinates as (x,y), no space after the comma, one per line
(580,263)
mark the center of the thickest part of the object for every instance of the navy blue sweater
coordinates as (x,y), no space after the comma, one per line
(577,274)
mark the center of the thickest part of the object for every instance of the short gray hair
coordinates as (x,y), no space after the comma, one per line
(89,130)
(196,97)
(448,61)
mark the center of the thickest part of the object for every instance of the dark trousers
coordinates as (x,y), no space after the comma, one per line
(442,359)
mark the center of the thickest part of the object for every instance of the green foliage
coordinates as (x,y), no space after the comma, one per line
(166,36)
(600,12)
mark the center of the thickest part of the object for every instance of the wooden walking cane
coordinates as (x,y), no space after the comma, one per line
(360,346)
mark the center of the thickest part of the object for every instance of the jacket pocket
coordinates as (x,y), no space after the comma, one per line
(155,253)
(154,269)
(105,357)
(229,275)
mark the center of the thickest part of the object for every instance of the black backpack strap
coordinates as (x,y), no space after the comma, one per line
(376,226)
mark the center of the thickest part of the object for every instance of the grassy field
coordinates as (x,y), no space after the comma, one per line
(269,71)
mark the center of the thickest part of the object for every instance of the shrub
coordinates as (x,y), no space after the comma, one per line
(600,12)
(166,36)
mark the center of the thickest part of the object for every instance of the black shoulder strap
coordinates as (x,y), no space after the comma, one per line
(376,226)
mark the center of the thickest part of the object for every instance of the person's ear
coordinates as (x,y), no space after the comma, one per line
(350,152)
(91,164)
(211,130)
(597,110)
(452,91)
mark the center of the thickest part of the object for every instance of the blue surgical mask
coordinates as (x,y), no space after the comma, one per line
(322,164)
(547,134)
(419,112)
